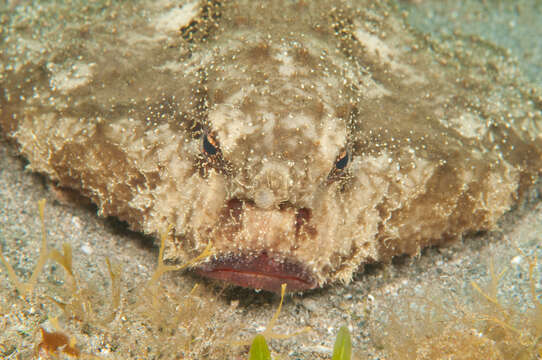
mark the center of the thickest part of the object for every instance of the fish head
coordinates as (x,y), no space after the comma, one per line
(278,147)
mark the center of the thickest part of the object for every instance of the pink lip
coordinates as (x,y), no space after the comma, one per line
(259,272)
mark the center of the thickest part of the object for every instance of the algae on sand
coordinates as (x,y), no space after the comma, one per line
(444,325)
(176,324)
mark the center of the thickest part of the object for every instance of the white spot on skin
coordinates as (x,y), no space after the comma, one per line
(469,126)
(375,91)
(300,121)
(333,139)
(269,123)
(176,18)
(231,124)
(374,45)
(135,38)
(386,54)
(287,68)
(66,80)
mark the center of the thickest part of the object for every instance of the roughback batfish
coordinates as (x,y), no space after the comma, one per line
(302,138)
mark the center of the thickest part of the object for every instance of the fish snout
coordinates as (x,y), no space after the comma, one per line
(258,247)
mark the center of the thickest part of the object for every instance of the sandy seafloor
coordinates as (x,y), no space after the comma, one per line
(443,274)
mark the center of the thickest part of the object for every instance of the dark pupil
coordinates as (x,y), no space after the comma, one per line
(341,163)
(209,148)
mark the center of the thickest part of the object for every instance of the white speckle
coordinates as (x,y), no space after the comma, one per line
(76,222)
(516,260)
(142,268)
(86,249)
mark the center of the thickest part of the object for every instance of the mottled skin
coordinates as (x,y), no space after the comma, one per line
(303,139)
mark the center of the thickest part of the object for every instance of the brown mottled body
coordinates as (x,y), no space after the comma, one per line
(303,139)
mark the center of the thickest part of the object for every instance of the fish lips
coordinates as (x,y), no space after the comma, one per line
(261,271)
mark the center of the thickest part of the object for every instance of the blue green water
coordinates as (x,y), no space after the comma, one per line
(513,25)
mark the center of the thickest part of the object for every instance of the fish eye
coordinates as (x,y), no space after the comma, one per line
(210,146)
(342,160)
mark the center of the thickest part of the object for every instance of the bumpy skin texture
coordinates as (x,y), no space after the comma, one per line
(229,120)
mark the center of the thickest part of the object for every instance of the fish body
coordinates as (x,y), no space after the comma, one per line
(301,139)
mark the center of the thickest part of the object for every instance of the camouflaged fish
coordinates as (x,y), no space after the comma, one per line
(303,139)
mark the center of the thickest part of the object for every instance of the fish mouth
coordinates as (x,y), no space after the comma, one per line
(263,272)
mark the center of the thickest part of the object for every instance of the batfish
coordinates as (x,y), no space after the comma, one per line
(302,139)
